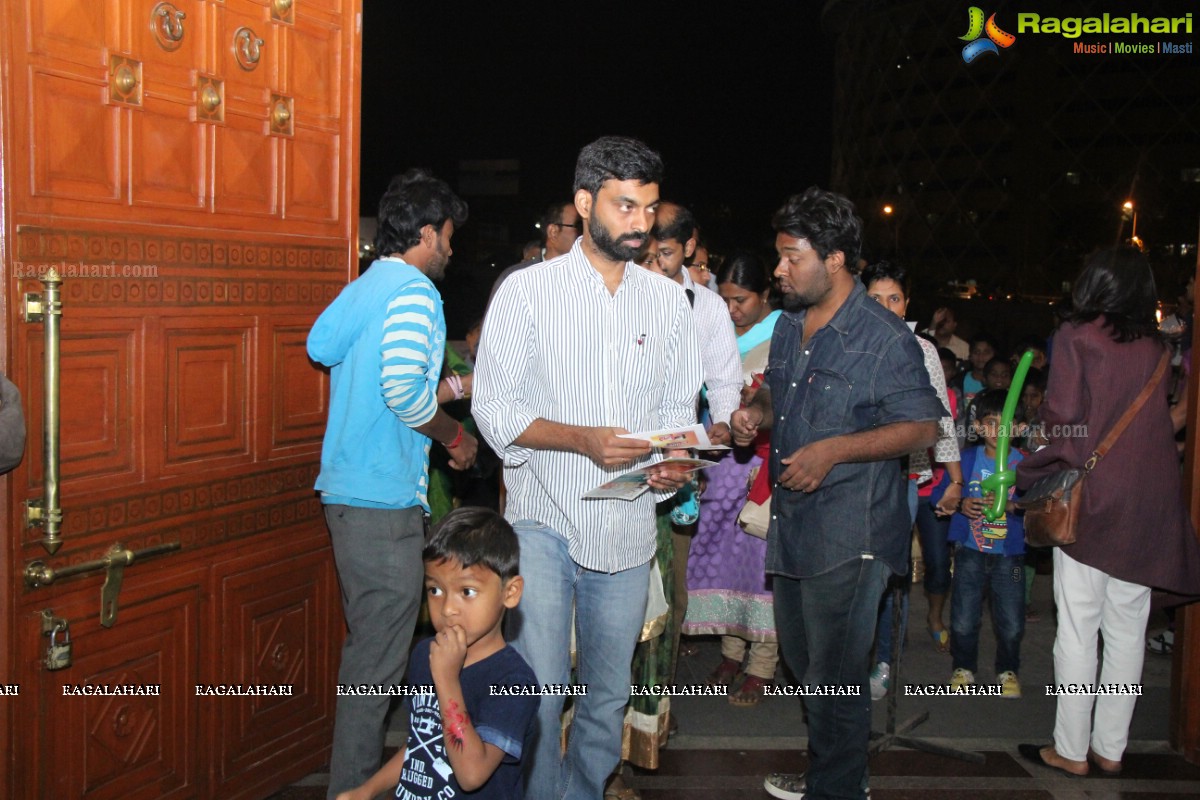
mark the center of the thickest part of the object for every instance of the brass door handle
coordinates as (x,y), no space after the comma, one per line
(38,573)
(45,510)
(247,48)
(167,23)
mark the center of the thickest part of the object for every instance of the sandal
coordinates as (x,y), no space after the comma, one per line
(751,692)
(617,790)
(1106,766)
(1047,756)
(941,639)
(725,672)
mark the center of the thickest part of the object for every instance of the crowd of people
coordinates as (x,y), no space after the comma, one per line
(827,415)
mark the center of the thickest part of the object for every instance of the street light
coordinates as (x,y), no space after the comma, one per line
(1129,208)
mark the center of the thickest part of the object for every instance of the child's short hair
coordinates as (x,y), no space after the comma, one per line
(990,403)
(474,535)
(1035,377)
(997,362)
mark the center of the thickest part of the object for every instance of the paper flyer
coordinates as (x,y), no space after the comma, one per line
(691,437)
(633,484)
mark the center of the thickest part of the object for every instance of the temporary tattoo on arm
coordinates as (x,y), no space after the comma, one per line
(455,722)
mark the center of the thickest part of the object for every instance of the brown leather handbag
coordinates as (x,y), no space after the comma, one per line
(1052,504)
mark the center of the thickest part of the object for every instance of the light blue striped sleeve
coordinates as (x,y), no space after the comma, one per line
(407,339)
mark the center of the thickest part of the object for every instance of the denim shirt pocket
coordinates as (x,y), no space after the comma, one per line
(826,399)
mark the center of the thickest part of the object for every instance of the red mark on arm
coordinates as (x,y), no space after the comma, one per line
(455,723)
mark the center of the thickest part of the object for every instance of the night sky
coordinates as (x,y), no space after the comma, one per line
(736,98)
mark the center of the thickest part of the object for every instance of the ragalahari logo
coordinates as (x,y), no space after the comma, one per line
(976,27)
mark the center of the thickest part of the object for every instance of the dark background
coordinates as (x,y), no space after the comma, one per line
(739,100)
(736,98)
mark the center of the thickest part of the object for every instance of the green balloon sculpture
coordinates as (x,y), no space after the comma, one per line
(1004,478)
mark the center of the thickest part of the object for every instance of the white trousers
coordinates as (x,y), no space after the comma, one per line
(1090,601)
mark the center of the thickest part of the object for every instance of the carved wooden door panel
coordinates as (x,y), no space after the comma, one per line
(189,170)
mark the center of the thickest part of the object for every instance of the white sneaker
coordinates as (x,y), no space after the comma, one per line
(1162,644)
(961,678)
(1009,685)
(790,786)
(881,680)
(785,785)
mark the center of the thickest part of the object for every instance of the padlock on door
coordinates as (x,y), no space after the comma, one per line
(58,653)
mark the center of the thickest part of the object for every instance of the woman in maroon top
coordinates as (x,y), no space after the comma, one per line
(1134,531)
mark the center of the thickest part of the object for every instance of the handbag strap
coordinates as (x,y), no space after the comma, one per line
(1123,423)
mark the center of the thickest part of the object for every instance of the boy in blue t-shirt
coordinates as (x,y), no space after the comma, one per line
(987,555)
(469,736)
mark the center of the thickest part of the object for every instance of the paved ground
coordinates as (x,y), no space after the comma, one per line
(722,752)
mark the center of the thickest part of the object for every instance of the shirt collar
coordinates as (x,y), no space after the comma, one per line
(841,317)
(633,277)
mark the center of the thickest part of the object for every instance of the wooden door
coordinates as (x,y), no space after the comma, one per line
(190,169)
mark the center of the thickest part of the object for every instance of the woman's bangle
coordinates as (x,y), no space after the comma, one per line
(455,384)
(956,483)
(457,439)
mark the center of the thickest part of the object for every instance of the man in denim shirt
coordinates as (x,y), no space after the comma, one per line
(846,396)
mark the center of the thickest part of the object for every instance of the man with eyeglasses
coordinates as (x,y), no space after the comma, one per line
(560,227)
(698,265)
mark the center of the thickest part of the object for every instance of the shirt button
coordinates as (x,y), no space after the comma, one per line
(805,352)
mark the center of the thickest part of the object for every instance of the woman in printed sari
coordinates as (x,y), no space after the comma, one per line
(728,591)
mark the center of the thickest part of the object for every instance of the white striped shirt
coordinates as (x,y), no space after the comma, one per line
(718,350)
(556,345)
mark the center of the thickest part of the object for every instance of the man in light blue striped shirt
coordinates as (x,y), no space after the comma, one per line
(383,339)
(575,351)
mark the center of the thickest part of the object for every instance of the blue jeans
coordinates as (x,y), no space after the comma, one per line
(826,625)
(883,639)
(609,612)
(974,573)
(378,557)
(935,547)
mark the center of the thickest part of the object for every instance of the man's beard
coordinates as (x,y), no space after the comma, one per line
(798,301)
(435,269)
(620,248)
(794,302)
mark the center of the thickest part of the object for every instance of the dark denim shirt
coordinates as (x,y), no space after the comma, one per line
(862,370)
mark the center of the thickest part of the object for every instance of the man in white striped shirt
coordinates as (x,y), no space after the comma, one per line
(576,351)
(383,339)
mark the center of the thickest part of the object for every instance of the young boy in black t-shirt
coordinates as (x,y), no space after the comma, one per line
(467,737)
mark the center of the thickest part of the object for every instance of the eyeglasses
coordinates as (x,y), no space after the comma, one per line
(701,267)
(577,225)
